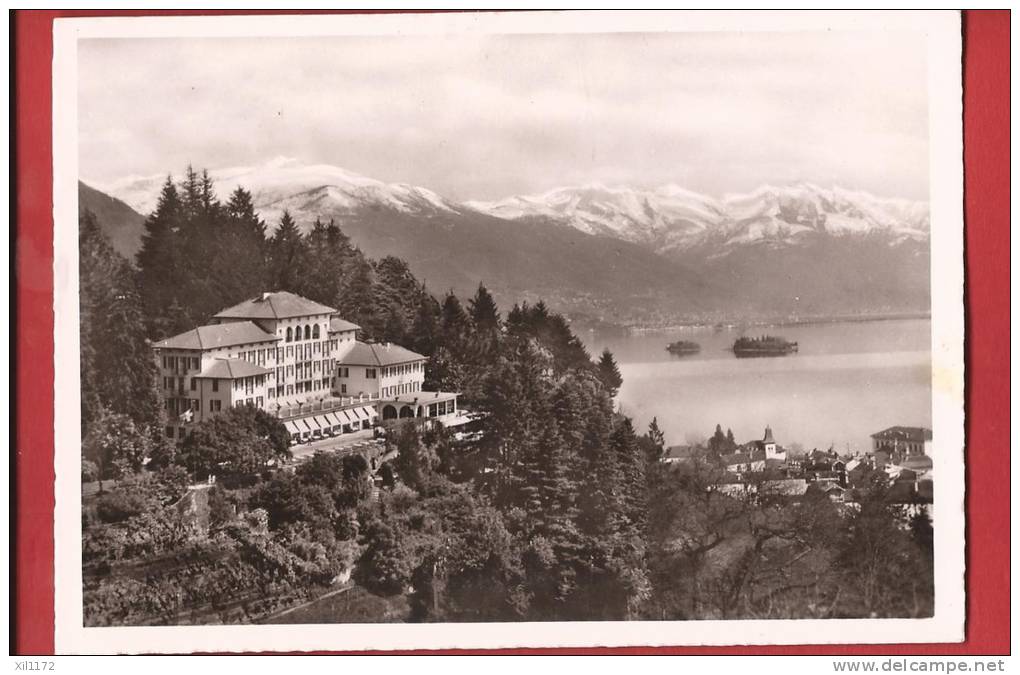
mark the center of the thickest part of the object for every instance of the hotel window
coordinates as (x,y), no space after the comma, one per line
(343,388)
(315,348)
(370,373)
(315,332)
(215,385)
(290,335)
(290,352)
(290,390)
(215,405)
(259,402)
(308,332)
(194,384)
(164,362)
(194,364)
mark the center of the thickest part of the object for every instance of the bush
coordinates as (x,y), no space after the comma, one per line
(287,500)
(120,505)
(89,471)
(221,508)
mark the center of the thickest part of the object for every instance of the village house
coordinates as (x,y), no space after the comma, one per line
(899,442)
(756,456)
(676,454)
(297,360)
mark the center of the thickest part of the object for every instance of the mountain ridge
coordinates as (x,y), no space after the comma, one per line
(628,254)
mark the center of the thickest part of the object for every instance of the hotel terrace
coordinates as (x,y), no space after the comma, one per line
(299,361)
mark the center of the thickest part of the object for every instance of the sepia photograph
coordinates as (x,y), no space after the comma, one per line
(509,321)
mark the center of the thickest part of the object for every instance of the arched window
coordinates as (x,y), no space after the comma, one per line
(290,334)
(308,333)
(315,332)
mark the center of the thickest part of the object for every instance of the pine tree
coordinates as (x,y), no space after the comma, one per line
(425,329)
(609,372)
(244,244)
(328,252)
(717,443)
(286,256)
(117,365)
(158,261)
(356,299)
(655,434)
(484,313)
(632,470)
(453,323)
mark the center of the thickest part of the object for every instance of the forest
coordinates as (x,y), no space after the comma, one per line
(556,509)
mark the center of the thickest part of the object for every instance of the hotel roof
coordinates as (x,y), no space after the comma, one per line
(218,335)
(377,354)
(231,369)
(338,325)
(278,305)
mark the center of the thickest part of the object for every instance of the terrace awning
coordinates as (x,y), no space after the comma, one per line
(365,412)
(292,427)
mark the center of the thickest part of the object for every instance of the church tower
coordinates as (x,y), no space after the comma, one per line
(769,443)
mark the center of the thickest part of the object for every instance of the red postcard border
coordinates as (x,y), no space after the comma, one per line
(986,156)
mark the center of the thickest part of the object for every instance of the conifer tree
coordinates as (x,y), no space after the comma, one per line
(117,366)
(244,244)
(286,256)
(425,329)
(632,470)
(609,372)
(356,299)
(453,323)
(484,313)
(158,261)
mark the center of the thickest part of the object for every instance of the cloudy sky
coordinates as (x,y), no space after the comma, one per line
(484,117)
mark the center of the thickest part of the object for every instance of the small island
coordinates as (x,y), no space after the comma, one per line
(766,345)
(683,347)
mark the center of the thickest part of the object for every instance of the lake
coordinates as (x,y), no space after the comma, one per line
(848,381)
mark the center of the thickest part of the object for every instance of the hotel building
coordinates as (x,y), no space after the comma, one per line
(295,359)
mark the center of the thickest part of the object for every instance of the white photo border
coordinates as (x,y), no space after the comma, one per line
(942,30)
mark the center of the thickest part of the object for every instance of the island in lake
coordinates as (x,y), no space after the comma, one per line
(683,347)
(766,345)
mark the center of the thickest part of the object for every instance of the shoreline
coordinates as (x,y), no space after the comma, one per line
(787,321)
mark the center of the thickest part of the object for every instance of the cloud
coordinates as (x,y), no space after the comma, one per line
(486,116)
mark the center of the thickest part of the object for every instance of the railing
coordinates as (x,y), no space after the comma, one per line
(324,405)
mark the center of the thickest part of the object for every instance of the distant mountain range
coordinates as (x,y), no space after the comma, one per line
(620,254)
(671,219)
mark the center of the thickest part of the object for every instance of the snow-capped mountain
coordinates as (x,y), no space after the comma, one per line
(672,219)
(598,250)
(666,219)
(287,184)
